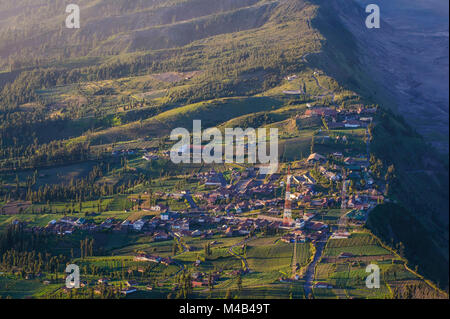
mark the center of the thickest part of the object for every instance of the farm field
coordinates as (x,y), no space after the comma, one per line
(89,123)
(268,259)
(346,276)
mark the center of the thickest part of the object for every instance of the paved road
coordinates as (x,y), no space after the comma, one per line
(368,140)
(328,92)
(304,58)
(177,263)
(333,96)
(310,271)
(230,250)
(190,201)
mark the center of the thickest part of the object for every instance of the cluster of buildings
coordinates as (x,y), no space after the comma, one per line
(341,118)
(154,259)
(219,207)
(219,210)
(66,225)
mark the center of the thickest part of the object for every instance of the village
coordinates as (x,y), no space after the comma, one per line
(307,202)
(225,205)
(225,208)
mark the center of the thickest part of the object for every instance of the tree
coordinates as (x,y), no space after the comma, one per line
(91,247)
(210,281)
(81,249)
(239,282)
(174,248)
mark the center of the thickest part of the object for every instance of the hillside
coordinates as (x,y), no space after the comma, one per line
(395,141)
(79,110)
(120,26)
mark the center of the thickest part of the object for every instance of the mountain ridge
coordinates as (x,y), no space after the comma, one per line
(233,67)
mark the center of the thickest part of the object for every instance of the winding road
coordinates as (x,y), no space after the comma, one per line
(244,261)
(328,92)
(311,270)
(190,200)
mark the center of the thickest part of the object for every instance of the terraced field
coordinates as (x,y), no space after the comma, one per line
(347,275)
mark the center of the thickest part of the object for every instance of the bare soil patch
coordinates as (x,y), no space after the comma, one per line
(172,77)
(14,208)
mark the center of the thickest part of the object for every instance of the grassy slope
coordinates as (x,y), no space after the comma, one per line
(399,146)
(425,195)
(118,25)
(396,225)
(211,113)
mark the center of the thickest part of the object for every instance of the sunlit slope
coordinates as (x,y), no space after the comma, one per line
(37,28)
(211,113)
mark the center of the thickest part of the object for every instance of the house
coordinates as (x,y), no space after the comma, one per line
(323,285)
(287,239)
(300,223)
(308,216)
(331,176)
(345,255)
(318,202)
(128,290)
(367,111)
(184,225)
(125,224)
(165,216)
(81,221)
(160,235)
(138,225)
(292,92)
(309,178)
(366,119)
(215,179)
(68,220)
(149,258)
(291,77)
(196,233)
(243,231)
(189,148)
(299,179)
(229,232)
(29,276)
(159,208)
(340,235)
(314,158)
(196,283)
(316,226)
(166,261)
(131,283)
(108,223)
(103,281)
(335,125)
(150,157)
(321,111)
(352,124)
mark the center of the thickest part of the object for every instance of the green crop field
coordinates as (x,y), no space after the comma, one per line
(86,118)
